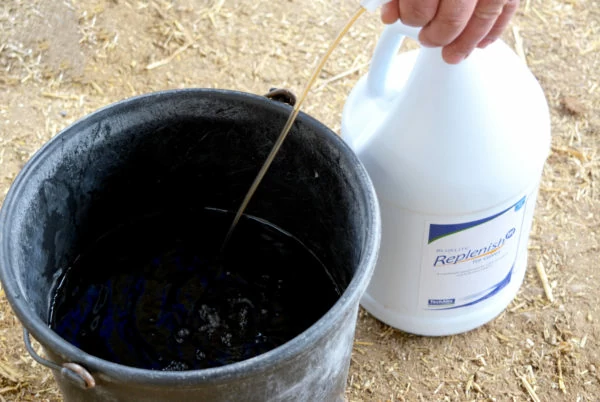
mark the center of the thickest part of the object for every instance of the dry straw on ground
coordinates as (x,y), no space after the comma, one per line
(60,60)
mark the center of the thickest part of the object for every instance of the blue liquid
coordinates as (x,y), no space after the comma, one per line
(157,295)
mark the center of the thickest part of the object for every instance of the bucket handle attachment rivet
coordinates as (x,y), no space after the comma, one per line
(282,95)
(71,371)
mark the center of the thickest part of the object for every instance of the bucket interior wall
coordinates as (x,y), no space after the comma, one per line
(175,156)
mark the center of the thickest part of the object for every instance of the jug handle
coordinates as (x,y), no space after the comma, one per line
(385,52)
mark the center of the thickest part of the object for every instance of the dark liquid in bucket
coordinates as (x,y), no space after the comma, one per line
(157,295)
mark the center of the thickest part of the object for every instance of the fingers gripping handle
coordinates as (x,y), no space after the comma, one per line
(385,52)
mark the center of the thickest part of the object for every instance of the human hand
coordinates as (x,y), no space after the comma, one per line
(456,25)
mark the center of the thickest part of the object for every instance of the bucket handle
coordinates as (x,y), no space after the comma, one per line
(73,372)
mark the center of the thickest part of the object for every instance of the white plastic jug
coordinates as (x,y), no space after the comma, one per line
(456,154)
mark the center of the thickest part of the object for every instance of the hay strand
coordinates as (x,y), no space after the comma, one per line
(571,152)
(363,343)
(8,389)
(583,341)
(59,96)
(561,380)
(544,278)
(9,373)
(519,43)
(340,76)
(529,389)
(168,59)
(469,385)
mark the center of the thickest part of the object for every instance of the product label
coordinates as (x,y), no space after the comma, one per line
(468,262)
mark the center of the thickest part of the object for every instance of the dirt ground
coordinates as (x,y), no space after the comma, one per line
(60,60)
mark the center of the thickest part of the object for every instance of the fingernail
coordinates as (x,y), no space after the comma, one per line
(456,58)
(425,42)
(484,43)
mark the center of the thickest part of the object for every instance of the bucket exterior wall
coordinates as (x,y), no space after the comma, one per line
(316,374)
(190,148)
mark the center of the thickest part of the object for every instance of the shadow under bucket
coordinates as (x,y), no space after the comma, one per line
(173,154)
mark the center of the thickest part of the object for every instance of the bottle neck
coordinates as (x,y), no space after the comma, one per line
(432,76)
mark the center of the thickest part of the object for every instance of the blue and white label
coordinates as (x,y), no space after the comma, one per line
(466,263)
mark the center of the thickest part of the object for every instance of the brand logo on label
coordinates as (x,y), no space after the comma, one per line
(474,254)
(441,302)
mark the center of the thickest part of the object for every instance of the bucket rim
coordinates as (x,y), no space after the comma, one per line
(222,374)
